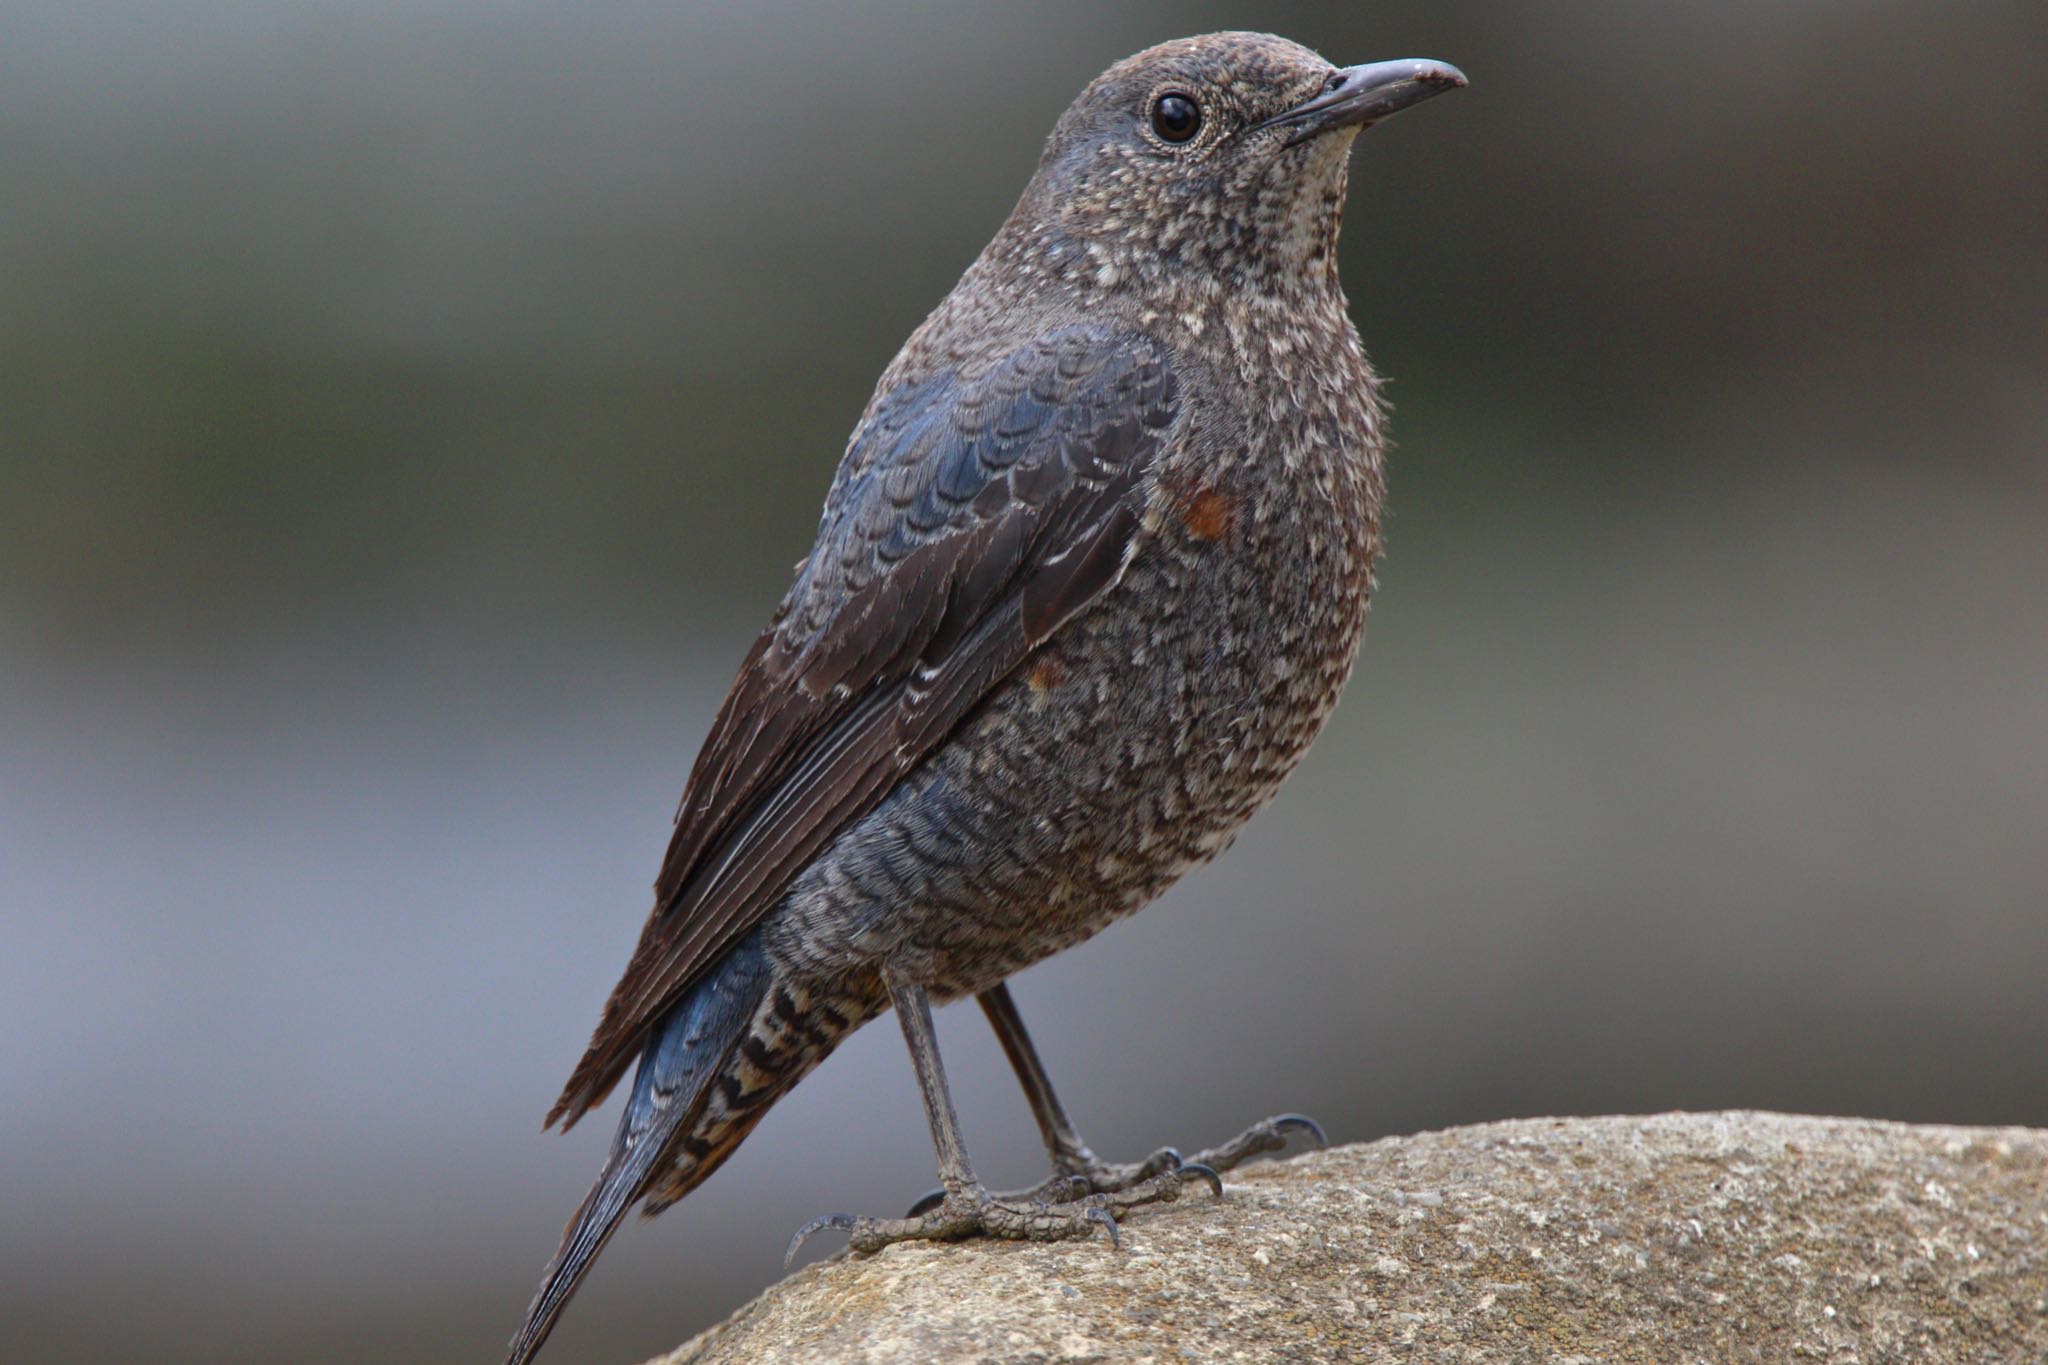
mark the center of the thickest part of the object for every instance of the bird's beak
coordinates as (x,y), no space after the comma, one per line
(1360,95)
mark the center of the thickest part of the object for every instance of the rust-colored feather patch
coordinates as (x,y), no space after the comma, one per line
(1206,513)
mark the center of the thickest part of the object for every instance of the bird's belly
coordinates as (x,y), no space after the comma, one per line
(1131,748)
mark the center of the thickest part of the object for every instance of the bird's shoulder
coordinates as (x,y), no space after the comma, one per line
(954,441)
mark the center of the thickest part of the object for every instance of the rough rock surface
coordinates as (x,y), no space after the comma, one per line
(1674,1239)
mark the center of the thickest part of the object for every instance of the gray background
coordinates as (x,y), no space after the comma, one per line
(409,411)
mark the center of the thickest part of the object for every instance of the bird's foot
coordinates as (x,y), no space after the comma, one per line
(1085,1175)
(1267,1135)
(975,1211)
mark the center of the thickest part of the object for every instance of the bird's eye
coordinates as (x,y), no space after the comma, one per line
(1176,117)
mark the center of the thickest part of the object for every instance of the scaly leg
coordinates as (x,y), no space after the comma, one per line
(1076,1170)
(964,1207)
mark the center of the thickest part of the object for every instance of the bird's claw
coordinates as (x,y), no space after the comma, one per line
(1267,1135)
(1068,1189)
(1164,1160)
(842,1221)
(1301,1123)
(1070,1203)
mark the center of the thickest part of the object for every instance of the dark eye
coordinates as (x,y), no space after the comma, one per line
(1176,117)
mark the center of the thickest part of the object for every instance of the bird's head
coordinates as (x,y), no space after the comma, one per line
(1224,155)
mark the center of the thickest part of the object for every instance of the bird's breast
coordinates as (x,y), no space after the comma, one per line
(1211,667)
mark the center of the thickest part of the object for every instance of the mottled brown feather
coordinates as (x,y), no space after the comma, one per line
(968,522)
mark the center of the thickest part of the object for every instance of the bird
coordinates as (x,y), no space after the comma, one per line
(1089,578)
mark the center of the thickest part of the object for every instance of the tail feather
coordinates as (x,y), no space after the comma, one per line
(682,1056)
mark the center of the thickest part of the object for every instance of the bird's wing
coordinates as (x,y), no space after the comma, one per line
(968,521)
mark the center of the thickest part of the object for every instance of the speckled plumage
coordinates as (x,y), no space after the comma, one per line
(1088,583)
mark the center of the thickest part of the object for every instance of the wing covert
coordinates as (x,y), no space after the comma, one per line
(967,522)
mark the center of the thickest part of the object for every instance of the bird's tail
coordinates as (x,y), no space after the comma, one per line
(688,1050)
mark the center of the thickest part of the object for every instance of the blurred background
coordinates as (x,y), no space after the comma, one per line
(408,413)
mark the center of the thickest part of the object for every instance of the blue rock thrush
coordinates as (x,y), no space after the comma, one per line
(1089,579)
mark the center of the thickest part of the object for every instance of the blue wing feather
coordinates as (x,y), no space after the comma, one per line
(968,520)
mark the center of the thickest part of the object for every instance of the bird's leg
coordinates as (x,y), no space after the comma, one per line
(1076,1170)
(964,1207)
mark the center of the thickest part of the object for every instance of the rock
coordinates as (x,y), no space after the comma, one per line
(1676,1238)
